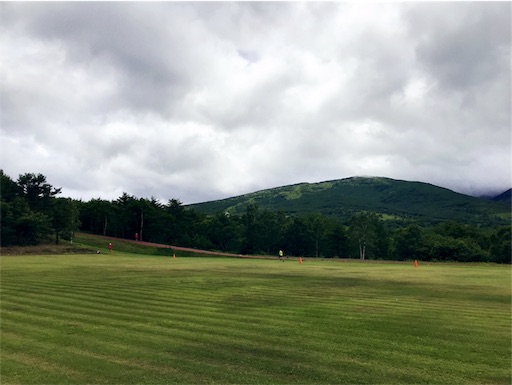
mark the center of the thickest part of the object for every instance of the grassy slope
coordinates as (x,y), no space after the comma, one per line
(125,319)
(394,198)
(96,242)
(100,243)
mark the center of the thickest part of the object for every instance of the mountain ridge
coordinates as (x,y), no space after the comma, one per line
(505,196)
(393,199)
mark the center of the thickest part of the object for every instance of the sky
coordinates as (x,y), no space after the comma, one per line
(199,101)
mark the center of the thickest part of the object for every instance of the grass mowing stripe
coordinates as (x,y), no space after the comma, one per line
(109,352)
(183,316)
(214,335)
(230,346)
(326,323)
(373,339)
(175,334)
(175,320)
(184,358)
(188,320)
(147,306)
(419,358)
(22,371)
(76,366)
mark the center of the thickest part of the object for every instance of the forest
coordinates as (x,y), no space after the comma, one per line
(33,213)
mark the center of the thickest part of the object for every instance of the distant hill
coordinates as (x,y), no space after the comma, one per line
(394,200)
(505,197)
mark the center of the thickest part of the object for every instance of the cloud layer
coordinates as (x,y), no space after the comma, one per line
(201,101)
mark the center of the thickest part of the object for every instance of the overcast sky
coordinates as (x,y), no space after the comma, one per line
(203,101)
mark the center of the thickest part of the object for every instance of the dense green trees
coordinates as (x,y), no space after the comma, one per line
(500,245)
(364,235)
(64,218)
(409,243)
(31,213)
(450,241)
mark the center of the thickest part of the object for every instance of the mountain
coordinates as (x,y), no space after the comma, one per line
(394,200)
(505,197)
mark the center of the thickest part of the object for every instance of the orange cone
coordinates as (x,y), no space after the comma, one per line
(174,256)
(415,263)
(300,260)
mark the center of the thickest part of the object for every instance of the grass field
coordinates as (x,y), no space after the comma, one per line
(131,319)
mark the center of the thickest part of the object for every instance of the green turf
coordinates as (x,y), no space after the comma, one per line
(126,319)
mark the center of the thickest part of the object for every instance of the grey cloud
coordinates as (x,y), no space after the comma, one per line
(462,44)
(205,100)
(152,59)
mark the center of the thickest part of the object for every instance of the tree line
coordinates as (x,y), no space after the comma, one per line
(32,213)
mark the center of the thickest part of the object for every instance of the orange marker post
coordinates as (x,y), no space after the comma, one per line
(415,263)
(300,260)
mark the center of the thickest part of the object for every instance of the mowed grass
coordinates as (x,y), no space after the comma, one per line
(129,319)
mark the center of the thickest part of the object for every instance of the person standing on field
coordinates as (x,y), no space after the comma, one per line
(281,255)
(110,248)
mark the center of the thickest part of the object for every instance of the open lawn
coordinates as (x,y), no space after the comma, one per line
(132,319)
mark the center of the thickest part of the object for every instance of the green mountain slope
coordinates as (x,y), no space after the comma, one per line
(395,200)
(504,197)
